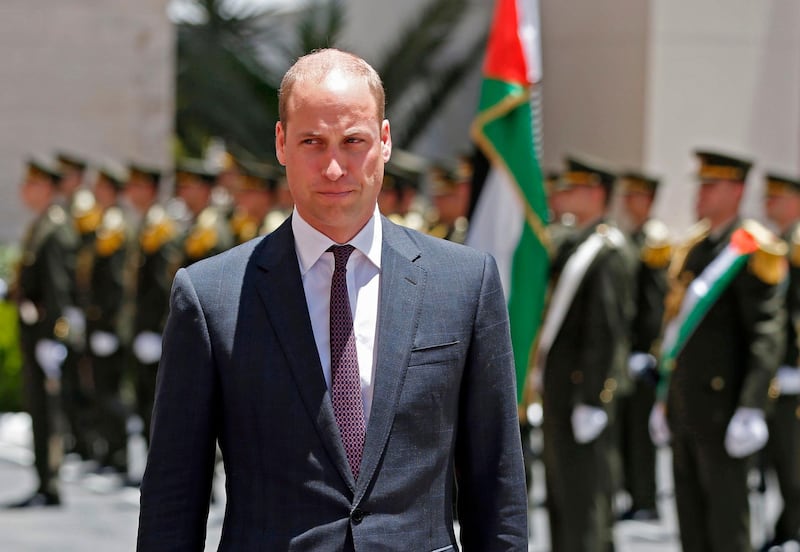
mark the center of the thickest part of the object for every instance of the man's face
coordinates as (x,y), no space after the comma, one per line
(718,200)
(140,192)
(637,206)
(36,193)
(334,147)
(195,193)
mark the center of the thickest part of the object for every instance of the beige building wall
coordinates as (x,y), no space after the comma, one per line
(93,77)
(723,74)
(594,64)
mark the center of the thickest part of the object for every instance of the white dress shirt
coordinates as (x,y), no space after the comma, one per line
(363,287)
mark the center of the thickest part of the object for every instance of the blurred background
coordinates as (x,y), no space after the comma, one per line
(637,84)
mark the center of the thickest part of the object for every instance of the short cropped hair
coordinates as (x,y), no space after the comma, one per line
(314,67)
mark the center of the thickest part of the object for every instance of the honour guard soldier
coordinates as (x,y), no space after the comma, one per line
(254,199)
(44,290)
(401,181)
(449,191)
(81,206)
(107,335)
(651,241)
(155,257)
(72,169)
(782,207)
(583,347)
(720,349)
(209,232)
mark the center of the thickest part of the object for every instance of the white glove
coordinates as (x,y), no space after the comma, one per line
(103,344)
(76,320)
(639,363)
(658,426)
(588,422)
(147,347)
(50,355)
(3,289)
(788,380)
(746,433)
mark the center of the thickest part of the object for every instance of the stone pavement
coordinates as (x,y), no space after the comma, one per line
(99,514)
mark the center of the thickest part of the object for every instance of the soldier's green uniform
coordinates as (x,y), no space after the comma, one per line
(44,289)
(651,243)
(107,334)
(584,366)
(783,415)
(726,363)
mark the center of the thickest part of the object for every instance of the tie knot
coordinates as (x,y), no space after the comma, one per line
(340,255)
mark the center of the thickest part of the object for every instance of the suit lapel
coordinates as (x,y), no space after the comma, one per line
(281,291)
(402,287)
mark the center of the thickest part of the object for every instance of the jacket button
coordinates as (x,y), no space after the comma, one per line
(717,383)
(357,516)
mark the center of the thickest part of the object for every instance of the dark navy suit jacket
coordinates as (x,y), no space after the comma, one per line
(240,365)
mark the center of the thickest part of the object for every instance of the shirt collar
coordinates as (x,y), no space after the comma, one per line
(310,243)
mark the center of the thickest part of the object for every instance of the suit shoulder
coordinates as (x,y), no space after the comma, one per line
(226,266)
(439,248)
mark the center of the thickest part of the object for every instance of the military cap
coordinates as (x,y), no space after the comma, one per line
(446,175)
(43,167)
(781,185)
(403,171)
(551,178)
(194,169)
(70,161)
(147,172)
(632,182)
(116,175)
(582,172)
(719,166)
(257,176)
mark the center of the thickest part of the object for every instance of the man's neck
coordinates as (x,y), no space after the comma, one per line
(720,224)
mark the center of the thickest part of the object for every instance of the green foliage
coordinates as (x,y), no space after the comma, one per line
(10,355)
(10,360)
(230,65)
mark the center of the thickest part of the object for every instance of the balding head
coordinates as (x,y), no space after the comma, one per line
(316,67)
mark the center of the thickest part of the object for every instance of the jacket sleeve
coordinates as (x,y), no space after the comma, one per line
(492,503)
(176,486)
(761,307)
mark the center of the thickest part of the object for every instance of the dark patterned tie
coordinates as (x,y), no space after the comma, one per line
(345,377)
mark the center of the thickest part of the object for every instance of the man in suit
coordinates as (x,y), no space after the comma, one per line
(721,347)
(337,436)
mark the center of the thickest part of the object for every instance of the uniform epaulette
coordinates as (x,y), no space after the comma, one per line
(768,262)
(612,235)
(657,249)
(694,235)
(203,236)
(794,247)
(56,214)
(111,232)
(85,212)
(244,227)
(158,229)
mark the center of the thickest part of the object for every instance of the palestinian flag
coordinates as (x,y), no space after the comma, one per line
(509,215)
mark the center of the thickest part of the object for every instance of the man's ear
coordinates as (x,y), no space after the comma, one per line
(386,140)
(280,143)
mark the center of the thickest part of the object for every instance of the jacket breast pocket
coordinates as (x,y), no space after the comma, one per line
(436,353)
